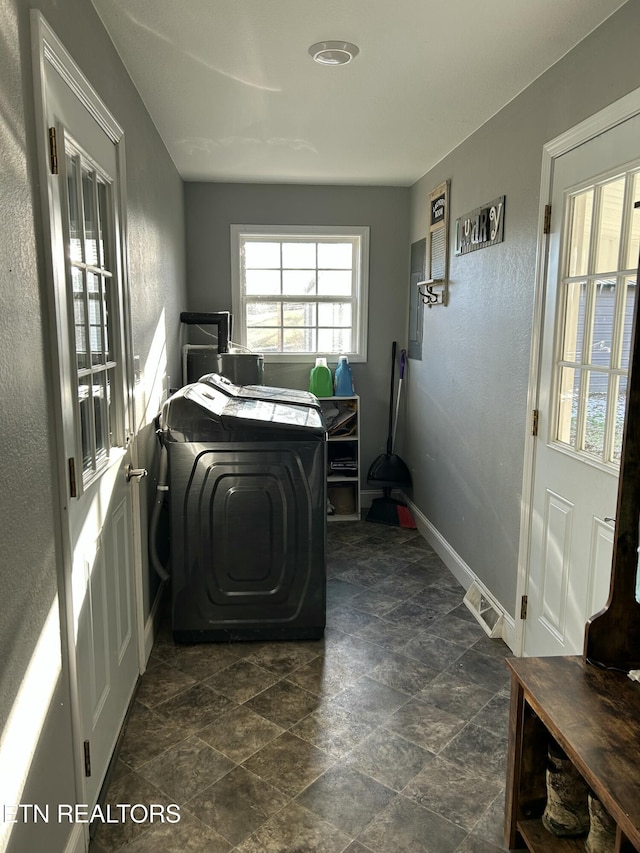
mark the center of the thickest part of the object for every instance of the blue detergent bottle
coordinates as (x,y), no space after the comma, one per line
(320,381)
(343,382)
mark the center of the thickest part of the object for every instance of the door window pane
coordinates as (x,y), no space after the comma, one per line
(79,317)
(86,441)
(603,322)
(103,226)
(596,413)
(620,402)
(582,215)
(101,414)
(95,318)
(569,396)
(608,245)
(629,307)
(634,236)
(576,300)
(90,218)
(75,232)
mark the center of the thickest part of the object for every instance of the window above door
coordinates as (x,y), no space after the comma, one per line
(300,292)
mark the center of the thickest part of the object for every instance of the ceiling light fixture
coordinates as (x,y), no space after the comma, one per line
(333,52)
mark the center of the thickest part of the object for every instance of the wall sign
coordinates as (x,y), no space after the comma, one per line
(434,289)
(483,227)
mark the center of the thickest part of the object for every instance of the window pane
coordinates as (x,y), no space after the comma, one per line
(576,296)
(262,282)
(610,223)
(334,314)
(263,313)
(335,256)
(84,404)
(603,319)
(581,216)
(90,218)
(629,307)
(95,318)
(334,340)
(101,415)
(598,387)
(620,401)
(264,340)
(258,255)
(103,225)
(299,340)
(568,405)
(634,236)
(299,314)
(333,283)
(299,281)
(75,236)
(299,256)
(79,296)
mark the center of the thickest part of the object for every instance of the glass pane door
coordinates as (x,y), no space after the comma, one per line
(597,294)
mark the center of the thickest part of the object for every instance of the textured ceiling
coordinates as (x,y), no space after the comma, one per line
(236,97)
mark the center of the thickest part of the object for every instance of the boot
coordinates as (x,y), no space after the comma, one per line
(567,810)
(602,835)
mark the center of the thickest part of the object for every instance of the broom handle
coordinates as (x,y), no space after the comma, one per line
(403,359)
(393,368)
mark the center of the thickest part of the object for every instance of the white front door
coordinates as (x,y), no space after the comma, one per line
(590,293)
(88,261)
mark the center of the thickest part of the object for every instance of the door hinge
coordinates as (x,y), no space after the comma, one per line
(73,486)
(53,151)
(87,758)
(546,228)
(535,417)
(524,602)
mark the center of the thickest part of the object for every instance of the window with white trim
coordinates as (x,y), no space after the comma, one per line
(300,292)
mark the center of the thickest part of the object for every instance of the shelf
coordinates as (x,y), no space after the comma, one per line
(540,840)
(343,486)
(353,516)
(594,715)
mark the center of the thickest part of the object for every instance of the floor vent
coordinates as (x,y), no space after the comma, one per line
(484,610)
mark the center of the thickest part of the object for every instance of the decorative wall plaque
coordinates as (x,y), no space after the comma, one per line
(480,228)
(434,291)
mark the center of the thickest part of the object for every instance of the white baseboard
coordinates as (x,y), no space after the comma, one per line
(462,572)
(78,839)
(152,623)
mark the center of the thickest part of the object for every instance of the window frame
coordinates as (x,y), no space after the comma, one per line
(281,233)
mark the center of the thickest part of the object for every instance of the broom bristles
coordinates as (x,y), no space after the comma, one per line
(406,519)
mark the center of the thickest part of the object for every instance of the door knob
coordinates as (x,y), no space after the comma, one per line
(609,520)
(138,473)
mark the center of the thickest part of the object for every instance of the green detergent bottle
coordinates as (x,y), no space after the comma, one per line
(320,381)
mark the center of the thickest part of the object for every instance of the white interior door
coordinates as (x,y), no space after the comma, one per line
(91,323)
(590,294)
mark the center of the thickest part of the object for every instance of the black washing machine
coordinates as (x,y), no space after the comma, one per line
(247,499)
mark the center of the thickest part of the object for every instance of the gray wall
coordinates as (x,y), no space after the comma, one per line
(467,397)
(210,209)
(29,561)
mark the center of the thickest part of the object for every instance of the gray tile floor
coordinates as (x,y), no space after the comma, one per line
(388,736)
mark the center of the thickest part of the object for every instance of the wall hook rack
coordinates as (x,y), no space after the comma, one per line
(434,291)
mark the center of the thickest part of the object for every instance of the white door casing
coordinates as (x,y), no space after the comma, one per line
(84,214)
(566,541)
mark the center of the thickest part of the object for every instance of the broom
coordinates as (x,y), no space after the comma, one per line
(389,470)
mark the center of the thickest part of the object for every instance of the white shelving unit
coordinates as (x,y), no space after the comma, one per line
(342,416)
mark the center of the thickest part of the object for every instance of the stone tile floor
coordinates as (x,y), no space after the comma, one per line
(387,736)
